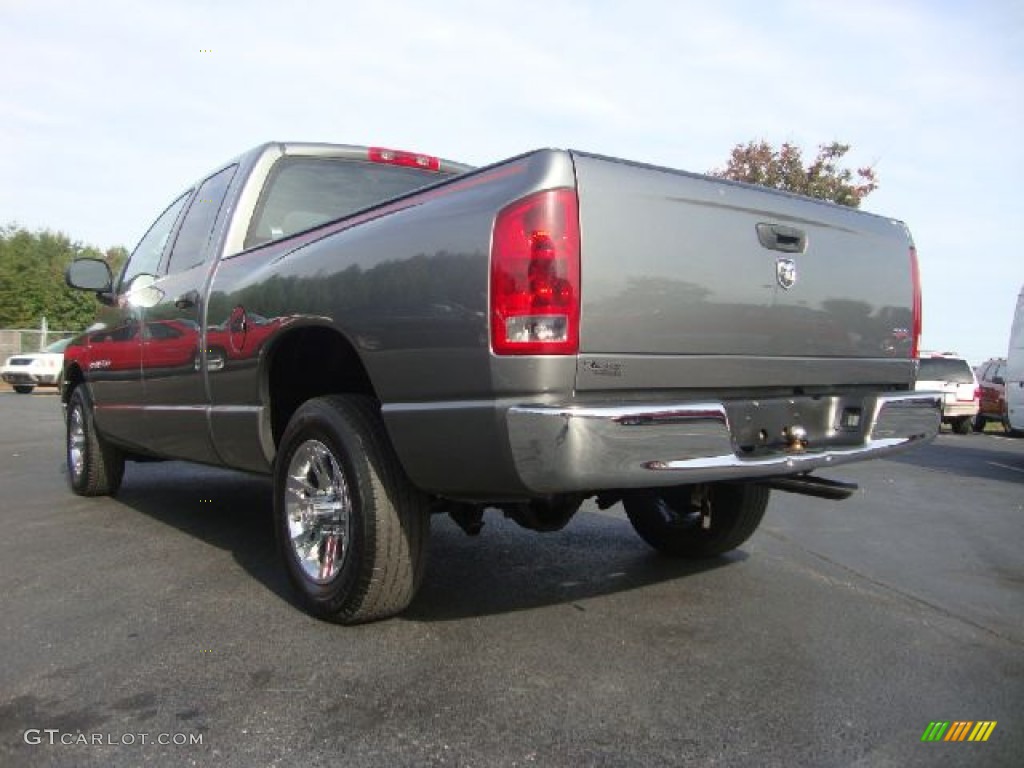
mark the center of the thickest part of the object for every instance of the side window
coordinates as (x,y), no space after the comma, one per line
(190,245)
(1000,371)
(145,259)
(125,332)
(161,332)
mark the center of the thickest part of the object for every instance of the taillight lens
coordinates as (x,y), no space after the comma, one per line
(405,159)
(535,276)
(915,331)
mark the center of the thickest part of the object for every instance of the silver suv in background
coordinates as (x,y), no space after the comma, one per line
(953,377)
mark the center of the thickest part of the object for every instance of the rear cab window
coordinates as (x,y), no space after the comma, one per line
(305,192)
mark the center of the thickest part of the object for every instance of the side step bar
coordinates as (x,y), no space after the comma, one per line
(808,485)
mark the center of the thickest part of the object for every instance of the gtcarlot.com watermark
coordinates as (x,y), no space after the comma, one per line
(55,736)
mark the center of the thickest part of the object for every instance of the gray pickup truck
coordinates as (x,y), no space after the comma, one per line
(391,335)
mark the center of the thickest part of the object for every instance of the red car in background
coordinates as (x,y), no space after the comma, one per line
(992,381)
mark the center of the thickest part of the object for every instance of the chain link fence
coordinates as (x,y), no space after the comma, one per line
(16,341)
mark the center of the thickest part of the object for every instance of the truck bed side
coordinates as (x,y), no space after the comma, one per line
(404,287)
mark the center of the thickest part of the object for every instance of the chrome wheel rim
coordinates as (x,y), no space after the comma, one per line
(318,507)
(76,443)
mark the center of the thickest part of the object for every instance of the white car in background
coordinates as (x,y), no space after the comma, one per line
(29,370)
(953,377)
(1015,370)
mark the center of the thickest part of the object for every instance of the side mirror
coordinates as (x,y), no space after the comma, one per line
(89,275)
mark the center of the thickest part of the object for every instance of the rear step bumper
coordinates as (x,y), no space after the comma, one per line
(588,448)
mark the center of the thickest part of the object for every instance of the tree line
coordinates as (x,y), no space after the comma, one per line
(32,285)
(32,264)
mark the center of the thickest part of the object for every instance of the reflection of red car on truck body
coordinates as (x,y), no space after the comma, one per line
(240,337)
(122,349)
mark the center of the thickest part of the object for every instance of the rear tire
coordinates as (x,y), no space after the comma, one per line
(962,426)
(979,423)
(95,467)
(351,528)
(669,520)
(23,389)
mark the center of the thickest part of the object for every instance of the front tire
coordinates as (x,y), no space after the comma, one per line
(351,528)
(670,519)
(23,389)
(95,468)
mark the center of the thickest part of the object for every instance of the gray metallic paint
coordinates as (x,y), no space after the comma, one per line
(675,304)
(673,266)
(407,289)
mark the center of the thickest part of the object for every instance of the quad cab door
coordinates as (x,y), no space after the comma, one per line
(112,353)
(174,362)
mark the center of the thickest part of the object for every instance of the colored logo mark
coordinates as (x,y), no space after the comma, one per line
(958,730)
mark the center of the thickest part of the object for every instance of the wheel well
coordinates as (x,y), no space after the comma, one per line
(307,363)
(72,378)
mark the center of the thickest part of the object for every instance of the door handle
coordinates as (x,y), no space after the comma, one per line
(187,300)
(778,237)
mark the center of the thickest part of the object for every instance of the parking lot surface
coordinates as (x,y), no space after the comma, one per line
(833,637)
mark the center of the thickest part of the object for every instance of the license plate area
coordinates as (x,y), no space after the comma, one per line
(797,424)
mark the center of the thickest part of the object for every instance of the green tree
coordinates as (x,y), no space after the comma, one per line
(32,285)
(757,162)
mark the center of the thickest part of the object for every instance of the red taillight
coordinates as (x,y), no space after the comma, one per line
(535,276)
(915,331)
(406,159)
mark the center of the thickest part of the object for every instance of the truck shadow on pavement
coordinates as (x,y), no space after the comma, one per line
(503,570)
(229,510)
(508,569)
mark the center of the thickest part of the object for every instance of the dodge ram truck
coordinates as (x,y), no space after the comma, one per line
(391,335)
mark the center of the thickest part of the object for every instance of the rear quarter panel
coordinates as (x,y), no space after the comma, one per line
(406,285)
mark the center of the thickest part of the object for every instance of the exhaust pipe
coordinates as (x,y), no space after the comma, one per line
(808,485)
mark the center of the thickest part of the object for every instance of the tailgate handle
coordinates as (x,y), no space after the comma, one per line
(778,237)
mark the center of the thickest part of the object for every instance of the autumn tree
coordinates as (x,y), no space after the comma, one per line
(757,162)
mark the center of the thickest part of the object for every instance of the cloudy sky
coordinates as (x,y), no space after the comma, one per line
(108,108)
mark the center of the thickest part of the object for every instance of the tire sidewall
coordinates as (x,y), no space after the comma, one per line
(318,422)
(79,401)
(735,509)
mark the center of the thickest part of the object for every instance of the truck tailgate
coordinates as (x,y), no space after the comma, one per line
(677,268)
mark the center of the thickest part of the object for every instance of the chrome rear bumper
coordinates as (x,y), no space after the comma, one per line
(579,448)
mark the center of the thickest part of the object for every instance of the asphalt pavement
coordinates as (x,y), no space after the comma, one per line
(157,629)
